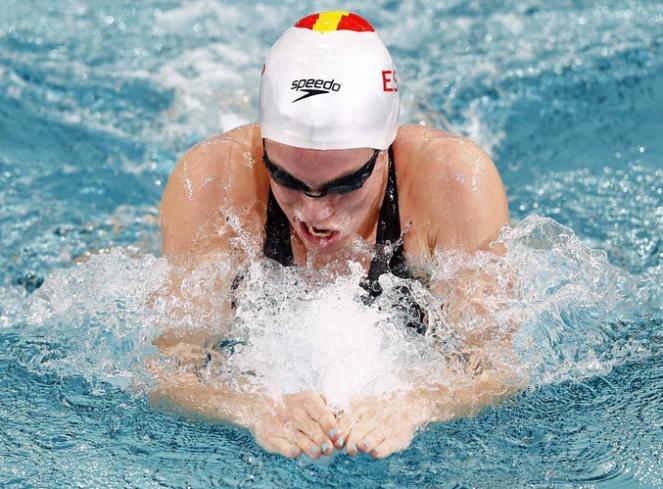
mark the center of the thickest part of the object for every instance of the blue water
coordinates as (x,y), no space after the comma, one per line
(98,100)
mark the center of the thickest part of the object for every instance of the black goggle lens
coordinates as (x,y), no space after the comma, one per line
(342,185)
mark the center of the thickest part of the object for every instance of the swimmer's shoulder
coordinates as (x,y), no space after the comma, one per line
(451,186)
(421,149)
(217,179)
(223,158)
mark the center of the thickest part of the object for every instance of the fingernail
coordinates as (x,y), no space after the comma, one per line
(339,442)
(363,445)
(333,432)
(315,449)
(325,447)
(354,447)
(375,452)
(294,451)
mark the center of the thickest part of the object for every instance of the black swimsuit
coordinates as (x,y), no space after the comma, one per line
(389,252)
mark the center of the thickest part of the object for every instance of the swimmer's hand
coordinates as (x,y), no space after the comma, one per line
(300,423)
(382,426)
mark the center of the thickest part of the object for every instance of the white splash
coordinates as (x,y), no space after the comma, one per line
(575,316)
(321,337)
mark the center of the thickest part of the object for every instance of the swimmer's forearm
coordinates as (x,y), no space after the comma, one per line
(182,389)
(186,395)
(445,403)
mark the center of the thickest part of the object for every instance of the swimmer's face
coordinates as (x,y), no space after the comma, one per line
(327,223)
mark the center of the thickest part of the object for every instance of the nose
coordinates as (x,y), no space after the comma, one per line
(316,211)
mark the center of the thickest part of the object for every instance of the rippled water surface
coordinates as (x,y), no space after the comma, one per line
(97,101)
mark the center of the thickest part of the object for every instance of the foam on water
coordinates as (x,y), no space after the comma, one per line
(95,319)
(574,315)
(301,335)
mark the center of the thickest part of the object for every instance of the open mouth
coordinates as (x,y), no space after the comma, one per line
(318,237)
(318,233)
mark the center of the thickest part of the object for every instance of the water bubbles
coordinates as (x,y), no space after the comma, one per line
(110,308)
(287,324)
(248,159)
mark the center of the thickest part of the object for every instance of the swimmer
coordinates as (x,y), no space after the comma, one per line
(327,164)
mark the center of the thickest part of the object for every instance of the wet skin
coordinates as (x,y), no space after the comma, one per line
(451,198)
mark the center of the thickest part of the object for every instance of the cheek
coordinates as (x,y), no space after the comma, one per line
(352,203)
(353,207)
(363,200)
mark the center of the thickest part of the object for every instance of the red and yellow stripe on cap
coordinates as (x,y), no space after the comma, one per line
(335,21)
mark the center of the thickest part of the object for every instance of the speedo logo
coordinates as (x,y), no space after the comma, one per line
(314,86)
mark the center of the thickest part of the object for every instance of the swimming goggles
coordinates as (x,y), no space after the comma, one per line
(341,185)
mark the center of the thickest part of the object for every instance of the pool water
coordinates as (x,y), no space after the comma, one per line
(98,100)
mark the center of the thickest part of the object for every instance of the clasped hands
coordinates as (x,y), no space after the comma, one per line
(304,423)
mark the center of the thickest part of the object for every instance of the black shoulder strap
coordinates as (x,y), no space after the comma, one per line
(277,234)
(389,226)
(389,251)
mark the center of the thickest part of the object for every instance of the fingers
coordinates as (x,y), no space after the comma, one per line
(302,421)
(275,440)
(390,445)
(278,435)
(284,447)
(361,436)
(345,424)
(309,415)
(298,443)
(320,413)
(372,439)
(377,427)
(378,438)
(306,445)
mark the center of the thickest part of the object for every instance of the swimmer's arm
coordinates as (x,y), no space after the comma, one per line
(486,369)
(185,393)
(381,426)
(202,213)
(197,233)
(465,208)
(178,372)
(468,217)
(299,422)
(469,395)
(210,200)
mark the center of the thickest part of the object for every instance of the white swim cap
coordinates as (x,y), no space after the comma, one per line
(329,83)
